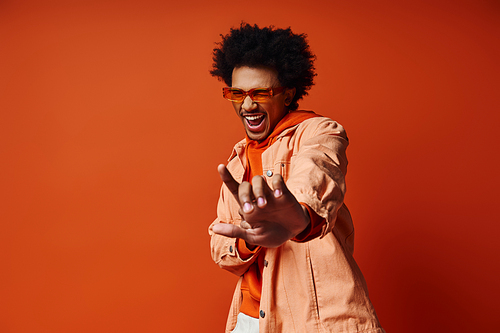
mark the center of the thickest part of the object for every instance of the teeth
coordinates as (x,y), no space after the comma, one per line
(254,117)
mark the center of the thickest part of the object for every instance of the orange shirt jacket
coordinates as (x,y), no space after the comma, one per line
(315,286)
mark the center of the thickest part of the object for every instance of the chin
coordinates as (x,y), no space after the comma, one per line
(256,136)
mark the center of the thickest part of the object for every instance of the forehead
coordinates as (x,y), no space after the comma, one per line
(248,78)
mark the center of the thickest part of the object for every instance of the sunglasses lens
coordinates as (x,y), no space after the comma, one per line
(234,95)
(261,95)
(238,95)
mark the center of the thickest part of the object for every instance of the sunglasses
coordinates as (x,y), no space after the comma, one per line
(256,94)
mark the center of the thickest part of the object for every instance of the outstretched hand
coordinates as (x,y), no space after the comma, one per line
(270,217)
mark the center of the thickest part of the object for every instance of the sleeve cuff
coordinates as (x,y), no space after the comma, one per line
(243,250)
(314,228)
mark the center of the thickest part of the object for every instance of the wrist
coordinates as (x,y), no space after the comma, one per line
(306,227)
(306,221)
(307,216)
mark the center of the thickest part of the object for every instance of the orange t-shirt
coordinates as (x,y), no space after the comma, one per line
(251,284)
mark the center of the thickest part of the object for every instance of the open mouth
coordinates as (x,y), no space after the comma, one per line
(255,123)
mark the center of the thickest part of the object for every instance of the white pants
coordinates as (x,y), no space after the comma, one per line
(246,324)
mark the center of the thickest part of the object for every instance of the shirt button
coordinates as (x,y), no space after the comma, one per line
(262,313)
(269,173)
(231,249)
(265,263)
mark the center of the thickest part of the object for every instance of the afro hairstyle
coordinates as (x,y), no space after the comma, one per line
(288,53)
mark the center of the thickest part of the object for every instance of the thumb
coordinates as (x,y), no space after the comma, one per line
(229,230)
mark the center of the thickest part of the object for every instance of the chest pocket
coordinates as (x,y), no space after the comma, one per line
(279,168)
(278,159)
(282,168)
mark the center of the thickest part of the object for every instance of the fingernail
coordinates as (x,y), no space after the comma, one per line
(247,207)
(245,225)
(277,193)
(261,202)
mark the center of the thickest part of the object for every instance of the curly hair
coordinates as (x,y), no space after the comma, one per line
(288,53)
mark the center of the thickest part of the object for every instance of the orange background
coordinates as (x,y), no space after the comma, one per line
(111,129)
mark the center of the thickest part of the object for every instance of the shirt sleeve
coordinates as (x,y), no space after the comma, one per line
(314,228)
(317,174)
(243,250)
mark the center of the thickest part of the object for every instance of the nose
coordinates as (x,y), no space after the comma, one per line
(248,104)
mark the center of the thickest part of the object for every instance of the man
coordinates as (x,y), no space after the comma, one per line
(281,223)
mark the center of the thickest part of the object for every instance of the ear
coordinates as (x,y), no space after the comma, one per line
(289,93)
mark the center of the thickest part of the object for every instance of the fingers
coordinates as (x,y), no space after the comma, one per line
(256,237)
(241,192)
(247,194)
(257,192)
(246,197)
(233,231)
(260,191)
(228,179)
(279,186)
(229,230)
(245,225)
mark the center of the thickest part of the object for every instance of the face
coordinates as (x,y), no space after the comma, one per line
(260,118)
